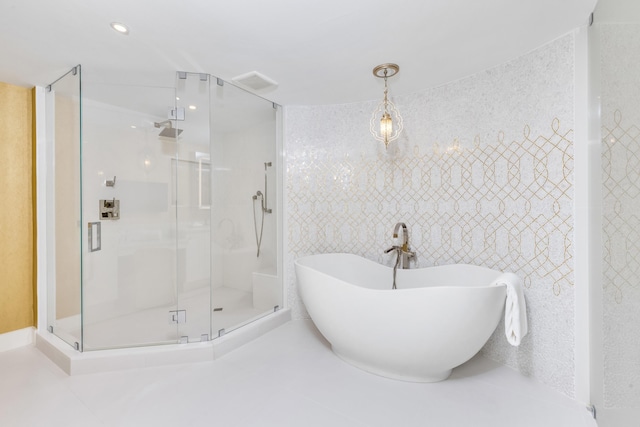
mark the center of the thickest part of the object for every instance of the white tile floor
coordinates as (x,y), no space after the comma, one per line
(288,377)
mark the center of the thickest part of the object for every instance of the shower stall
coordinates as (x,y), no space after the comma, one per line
(150,236)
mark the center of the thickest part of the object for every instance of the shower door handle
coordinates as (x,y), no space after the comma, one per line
(94,236)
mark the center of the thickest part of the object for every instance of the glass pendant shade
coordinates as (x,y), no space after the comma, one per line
(386,126)
(386,122)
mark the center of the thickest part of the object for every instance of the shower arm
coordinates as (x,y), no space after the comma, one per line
(166,123)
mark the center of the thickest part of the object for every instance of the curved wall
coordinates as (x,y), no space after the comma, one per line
(483,174)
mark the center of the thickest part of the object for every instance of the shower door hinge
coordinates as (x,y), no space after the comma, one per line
(592,410)
(177,316)
(176,113)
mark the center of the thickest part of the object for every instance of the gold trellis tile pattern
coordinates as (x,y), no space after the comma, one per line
(621,206)
(506,205)
(484,175)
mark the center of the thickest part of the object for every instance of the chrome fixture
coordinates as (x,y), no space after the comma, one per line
(110,183)
(395,266)
(168,130)
(177,316)
(403,253)
(264,209)
(94,236)
(407,254)
(109,209)
(386,122)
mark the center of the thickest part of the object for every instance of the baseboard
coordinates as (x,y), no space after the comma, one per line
(16,339)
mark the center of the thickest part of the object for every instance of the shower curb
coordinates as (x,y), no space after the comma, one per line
(73,362)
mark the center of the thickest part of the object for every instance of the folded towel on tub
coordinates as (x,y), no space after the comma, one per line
(515,311)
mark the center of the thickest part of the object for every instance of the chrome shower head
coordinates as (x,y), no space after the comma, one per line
(168,130)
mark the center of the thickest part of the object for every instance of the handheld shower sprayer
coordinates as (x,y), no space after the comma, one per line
(264,209)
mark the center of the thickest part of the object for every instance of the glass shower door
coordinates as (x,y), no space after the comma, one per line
(130,261)
(246,283)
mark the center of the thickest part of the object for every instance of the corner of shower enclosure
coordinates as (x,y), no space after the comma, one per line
(63,223)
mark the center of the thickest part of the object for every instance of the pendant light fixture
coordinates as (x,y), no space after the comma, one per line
(386,121)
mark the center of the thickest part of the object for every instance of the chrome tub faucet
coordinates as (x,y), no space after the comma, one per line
(403,253)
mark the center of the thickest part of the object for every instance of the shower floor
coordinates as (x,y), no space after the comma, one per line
(152,326)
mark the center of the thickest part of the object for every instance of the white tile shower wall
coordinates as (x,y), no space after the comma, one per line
(483,174)
(113,283)
(239,173)
(620,93)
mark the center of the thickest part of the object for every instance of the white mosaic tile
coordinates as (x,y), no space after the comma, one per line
(483,174)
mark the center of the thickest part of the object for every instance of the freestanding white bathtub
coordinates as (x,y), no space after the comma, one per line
(437,319)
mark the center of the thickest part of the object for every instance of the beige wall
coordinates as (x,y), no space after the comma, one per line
(67,201)
(17,229)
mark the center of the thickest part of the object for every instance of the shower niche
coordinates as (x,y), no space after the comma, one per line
(179,264)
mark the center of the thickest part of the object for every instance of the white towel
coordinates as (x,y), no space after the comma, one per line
(515,310)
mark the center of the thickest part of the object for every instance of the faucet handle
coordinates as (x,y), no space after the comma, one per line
(393,248)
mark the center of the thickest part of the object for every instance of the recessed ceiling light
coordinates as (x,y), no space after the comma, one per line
(192,107)
(121,28)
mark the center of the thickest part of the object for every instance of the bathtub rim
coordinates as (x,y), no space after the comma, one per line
(299,262)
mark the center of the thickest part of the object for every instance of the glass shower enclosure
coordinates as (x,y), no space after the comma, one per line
(166,210)
(614,40)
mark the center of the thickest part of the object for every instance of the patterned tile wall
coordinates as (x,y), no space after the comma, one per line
(620,95)
(482,175)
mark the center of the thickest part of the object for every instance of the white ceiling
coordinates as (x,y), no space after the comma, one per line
(319,52)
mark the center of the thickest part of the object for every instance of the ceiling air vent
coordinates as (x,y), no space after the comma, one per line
(255,81)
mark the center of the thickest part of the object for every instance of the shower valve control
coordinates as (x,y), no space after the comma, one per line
(109,209)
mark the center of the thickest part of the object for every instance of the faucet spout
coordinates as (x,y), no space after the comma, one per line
(404,253)
(405,235)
